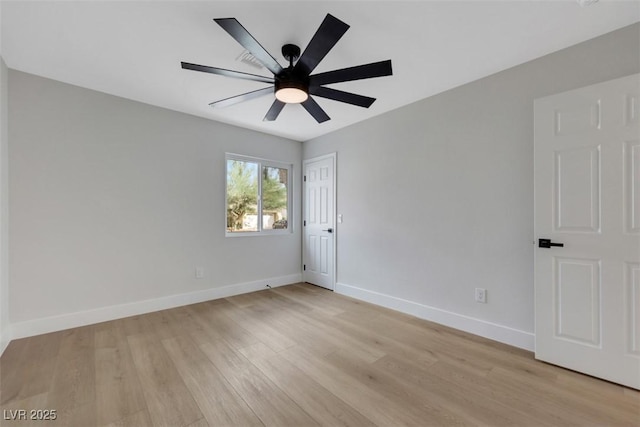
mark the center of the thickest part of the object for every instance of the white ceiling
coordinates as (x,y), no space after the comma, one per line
(133,49)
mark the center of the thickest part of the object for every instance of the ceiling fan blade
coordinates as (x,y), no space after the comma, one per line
(226,73)
(242,36)
(367,71)
(315,110)
(239,98)
(274,111)
(327,35)
(338,95)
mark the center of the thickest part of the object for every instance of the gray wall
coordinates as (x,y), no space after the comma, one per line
(4,209)
(116,202)
(437,197)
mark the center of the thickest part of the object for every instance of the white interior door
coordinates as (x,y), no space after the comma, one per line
(587,197)
(319,221)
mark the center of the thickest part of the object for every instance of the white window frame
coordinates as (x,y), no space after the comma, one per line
(261,163)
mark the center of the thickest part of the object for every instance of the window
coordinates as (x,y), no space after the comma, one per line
(258,196)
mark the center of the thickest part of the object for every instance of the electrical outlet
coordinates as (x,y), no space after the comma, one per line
(199,273)
(481,295)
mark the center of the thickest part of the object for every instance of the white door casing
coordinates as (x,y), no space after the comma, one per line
(587,197)
(319,221)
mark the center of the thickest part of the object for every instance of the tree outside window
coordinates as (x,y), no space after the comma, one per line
(256,202)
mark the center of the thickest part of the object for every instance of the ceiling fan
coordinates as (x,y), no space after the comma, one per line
(295,84)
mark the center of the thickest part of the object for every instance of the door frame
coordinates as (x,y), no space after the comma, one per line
(334,157)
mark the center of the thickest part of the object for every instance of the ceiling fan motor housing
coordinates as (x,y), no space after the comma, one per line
(294,82)
(288,78)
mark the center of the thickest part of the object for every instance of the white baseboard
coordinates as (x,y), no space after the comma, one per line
(72,320)
(494,331)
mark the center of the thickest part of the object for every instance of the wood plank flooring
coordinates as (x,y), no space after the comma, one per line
(296,355)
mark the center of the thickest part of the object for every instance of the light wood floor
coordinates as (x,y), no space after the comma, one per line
(294,356)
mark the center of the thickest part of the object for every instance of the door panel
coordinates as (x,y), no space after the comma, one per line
(632,281)
(587,195)
(319,214)
(577,300)
(577,178)
(632,188)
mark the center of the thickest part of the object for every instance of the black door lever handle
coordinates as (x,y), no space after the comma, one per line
(546,243)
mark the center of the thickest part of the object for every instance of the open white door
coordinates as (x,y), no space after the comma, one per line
(319,221)
(587,198)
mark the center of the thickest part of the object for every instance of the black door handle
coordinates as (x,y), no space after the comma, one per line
(330,230)
(546,243)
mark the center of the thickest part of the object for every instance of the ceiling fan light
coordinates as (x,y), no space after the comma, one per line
(291,95)
(291,90)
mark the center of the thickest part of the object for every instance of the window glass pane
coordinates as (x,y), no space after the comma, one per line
(242,196)
(275,198)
